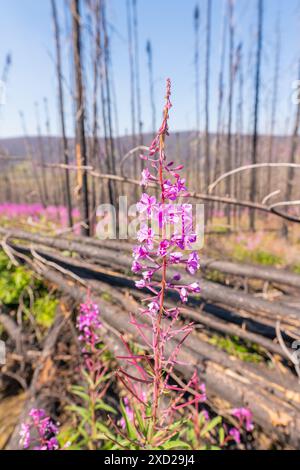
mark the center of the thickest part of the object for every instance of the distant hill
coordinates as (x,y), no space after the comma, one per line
(180,145)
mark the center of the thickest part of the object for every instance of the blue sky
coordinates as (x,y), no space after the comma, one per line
(26,32)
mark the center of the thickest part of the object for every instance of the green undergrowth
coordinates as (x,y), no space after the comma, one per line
(257,256)
(234,346)
(296,268)
(18,282)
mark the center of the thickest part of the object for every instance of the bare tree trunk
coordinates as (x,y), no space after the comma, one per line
(207,90)
(292,159)
(240,126)
(217,169)
(230,103)
(108,164)
(41,152)
(62,112)
(106,62)
(54,174)
(197,97)
(274,103)
(81,152)
(29,151)
(132,76)
(253,186)
(151,85)
(96,11)
(137,71)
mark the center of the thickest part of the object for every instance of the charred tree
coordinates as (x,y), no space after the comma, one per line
(67,189)
(81,151)
(151,85)
(107,85)
(41,152)
(197,95)
(253,182)
(293,151)
(132,75)
(207,91)
(274,102)
(229,162)
(137,71)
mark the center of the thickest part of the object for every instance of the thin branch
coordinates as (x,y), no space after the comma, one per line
(212,186)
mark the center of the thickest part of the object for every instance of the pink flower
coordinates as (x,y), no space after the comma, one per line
(194,287)
(235,434)
(146,234)
(44,437)
(183,295)
(147,204)
(163,247)
(88,323)
(140,252)
(193,265)
(140,284)
(244,416)
(136,267)
(153,307)
(175,257)
(25,435)
(146,177)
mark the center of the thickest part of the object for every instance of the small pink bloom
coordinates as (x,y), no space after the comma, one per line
(146,204)
(140,284)
(235,434)
(153,307)
(136,267)
(192,264)
(183,295)
(194,287)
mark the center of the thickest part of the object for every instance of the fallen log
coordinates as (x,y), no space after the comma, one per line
(210,291)
(80,244)
(81,269)
(264,273)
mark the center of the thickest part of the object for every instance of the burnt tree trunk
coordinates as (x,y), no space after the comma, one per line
(81,151)
(62,112)
(253,183)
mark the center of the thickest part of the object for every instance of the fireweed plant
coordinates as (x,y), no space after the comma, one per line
(154,413)
(94,371)
(40,432)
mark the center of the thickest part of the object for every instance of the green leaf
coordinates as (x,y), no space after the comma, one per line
(211,425)
(132,434)
(178,444)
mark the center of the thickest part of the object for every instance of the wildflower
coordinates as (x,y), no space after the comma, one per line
(175,258)
(88,323)
(153,307)
(192,264)
(235,434)
(244,416)
(140,252)
(146,234)
(40,431)
(136,267)
(25,435)
(183,295)
(146,177)
(147,204)
(140,284)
